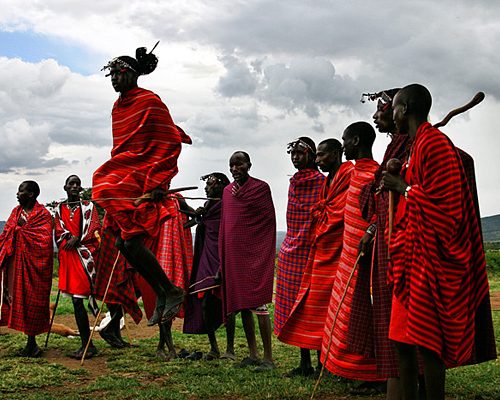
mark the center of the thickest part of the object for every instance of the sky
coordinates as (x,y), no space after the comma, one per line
(238,75)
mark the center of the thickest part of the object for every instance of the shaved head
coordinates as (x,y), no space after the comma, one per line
(417,98)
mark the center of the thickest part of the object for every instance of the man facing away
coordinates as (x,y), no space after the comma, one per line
(247,255)
(77,229)
(26,263)
(146,145)
(353,268)
(305,325)
(437,269)
(304,191)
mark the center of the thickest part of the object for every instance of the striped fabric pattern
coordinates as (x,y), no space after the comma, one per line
(335,354)
(305,325)
(146,145)
(438,266)
(305,188)
(377,317)
(26,257)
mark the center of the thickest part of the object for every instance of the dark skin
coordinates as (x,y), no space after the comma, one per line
(239,167)
(137,254)
(73,187)
(406,120)
(328,161)
(27,201)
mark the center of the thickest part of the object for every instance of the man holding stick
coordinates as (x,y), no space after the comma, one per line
(437,269)
(146,145)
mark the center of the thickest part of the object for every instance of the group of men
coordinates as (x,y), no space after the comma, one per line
(376,267)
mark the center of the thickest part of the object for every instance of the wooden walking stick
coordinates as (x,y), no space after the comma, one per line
(100,309)
(1,294)
(52,319)
(478,98)
(341,302)
(394,168)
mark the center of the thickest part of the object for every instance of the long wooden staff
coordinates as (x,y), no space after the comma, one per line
(478,98)
(147,196)
(341,302)
(393,167)
(1,294)
(52,319)
(100,309)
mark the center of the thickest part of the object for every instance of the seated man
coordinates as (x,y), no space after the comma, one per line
(26,263)
(77,229)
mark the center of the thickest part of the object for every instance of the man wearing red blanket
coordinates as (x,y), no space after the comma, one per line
(437,270)
(146,145)
(26,262)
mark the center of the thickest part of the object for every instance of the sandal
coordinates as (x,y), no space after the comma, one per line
(228,356)
(211,355)
(248,362)
(299,371)
(369,389)
(265,365)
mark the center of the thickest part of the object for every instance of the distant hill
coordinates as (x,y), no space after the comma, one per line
(491,228)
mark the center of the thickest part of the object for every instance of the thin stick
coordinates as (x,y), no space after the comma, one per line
(478,98)
(1,294)
(126,326)
(335,321)
(53,316)
(201,281)
(100,309)
(204,289)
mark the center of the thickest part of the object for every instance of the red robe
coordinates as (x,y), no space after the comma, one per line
(335,354)
(305,188)
(146,145)
(438,268)
(247,246)
(305,325)
(77,266)
(26,262)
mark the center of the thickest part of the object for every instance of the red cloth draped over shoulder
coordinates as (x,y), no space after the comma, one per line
(146,145)
(335,354)
(438,268)
(174,251)
(305,188)
(26,257)
(247,246)
(305,325)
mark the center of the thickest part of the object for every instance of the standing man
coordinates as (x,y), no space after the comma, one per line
(305,188)
(305,325)
(247,255)
(26,263)
(146,145)
(357,140)
(77,229)
(437,269)
(204,306)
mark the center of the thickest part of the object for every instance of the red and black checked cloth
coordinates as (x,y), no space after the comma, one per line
(247,246)
(305,324)
(29,251)
(376,319)
(438,267)
(146,145)
(305,188)
(123,289)
(335,354)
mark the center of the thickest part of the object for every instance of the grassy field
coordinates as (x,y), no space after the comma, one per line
(136,374)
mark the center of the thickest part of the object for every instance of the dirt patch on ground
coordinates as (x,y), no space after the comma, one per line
(495,301)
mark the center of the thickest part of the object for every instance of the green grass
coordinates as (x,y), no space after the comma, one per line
(136,373)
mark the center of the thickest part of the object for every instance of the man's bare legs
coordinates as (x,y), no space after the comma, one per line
(249,328)
(168,296)
(166,339)
(393,389)
(265,334)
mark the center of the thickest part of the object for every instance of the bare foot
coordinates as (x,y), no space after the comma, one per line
(165,356)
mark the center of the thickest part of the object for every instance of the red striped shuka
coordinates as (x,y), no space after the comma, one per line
(174,250)
(335,355)
(305,325)
(146,145)
(438,269)
(26,262)
(305,188)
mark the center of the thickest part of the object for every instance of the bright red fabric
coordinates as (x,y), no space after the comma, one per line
(146,145)
(438,268)
(26,259)
(305,325)
(305,188)
(335,354)
(247,246)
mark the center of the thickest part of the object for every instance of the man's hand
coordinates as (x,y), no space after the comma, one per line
(200,211)
(393,182)
(235,189)
(71,243)
(218,278)
(158,194)
(365,243)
